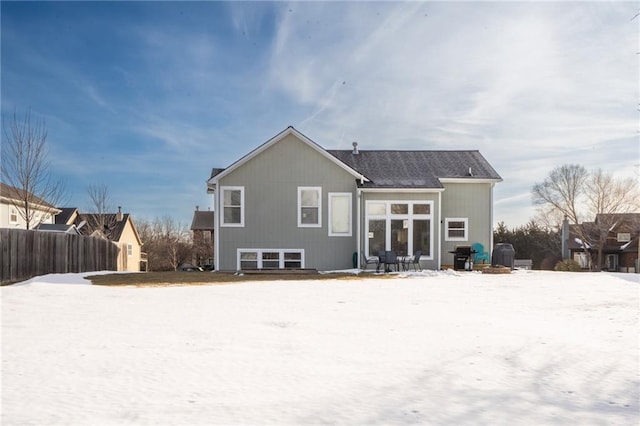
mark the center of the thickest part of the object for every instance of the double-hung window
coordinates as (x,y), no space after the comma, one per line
(13,218)
(456,229)
(309,207)
(232,205)
(340,214)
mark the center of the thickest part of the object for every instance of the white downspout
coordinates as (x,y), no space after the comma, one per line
(490,250)
(439,224)
(358,221)
(216,225)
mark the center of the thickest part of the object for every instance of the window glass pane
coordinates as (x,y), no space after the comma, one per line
(456,233)
(248,264)
(232,214)
(232,197)
(340,219)
(399,208)
(421,209)
(309,198)
(377,208)
(248,256)
(293,256)
(422,236)
(399,237)
(309,215)
(456,225)
(377,234)
(270,255)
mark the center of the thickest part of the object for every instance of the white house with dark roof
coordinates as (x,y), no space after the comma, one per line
(12,209)
(292,204)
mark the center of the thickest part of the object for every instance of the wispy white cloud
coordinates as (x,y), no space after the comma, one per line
(532,85)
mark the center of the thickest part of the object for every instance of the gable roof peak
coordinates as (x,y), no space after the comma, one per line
(290,130)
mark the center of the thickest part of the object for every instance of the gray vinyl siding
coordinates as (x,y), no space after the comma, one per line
(406,196)
(271,180)
(472,201)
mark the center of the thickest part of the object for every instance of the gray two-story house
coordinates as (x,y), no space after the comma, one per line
(292,204)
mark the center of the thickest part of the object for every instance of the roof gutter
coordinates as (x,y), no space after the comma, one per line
(469,180)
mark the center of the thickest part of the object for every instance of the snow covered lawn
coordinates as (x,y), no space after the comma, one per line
(433,348)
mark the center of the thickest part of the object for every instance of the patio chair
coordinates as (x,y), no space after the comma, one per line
(390,258)
(480,254)
(381,257)
(413,260)
(370,260)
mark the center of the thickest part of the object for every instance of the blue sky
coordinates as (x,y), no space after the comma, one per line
(147,97)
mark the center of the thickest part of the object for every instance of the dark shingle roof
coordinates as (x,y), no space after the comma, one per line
(215,172)
(11,192)
(65,214)
(113,227)
(416,169)
(202,221)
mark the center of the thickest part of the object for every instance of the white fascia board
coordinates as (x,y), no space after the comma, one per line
(468,180)
(211,186)
(406,190)
(277,138)
(35,206)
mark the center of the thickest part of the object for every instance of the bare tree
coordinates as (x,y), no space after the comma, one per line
(166,243)
(561,190)
(571,191)
(177,247)
(26,168)
(607,195)
(607,199)
(100,206)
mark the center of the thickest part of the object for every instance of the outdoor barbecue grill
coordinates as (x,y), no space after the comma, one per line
(462,258)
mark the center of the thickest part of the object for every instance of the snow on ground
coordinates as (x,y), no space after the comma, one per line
(433,348)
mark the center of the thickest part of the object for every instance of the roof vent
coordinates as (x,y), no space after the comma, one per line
(470,172)
(355,148)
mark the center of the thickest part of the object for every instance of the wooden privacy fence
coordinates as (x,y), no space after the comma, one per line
(26,254)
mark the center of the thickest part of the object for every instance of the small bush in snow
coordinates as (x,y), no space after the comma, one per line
(569,265)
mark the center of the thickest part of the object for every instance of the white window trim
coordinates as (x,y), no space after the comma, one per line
(388,216)
(242,206)
(447,220)
(13,212)
(349,233)
(623,237)
(310,225)
(259,259)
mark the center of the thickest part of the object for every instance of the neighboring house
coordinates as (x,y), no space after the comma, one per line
(620,234)
(292,204)
(117,227)
(203,226)
(11,207)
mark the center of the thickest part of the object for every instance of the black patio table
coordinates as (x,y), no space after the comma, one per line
(388,258)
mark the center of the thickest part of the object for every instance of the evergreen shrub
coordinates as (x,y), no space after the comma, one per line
(568,265)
